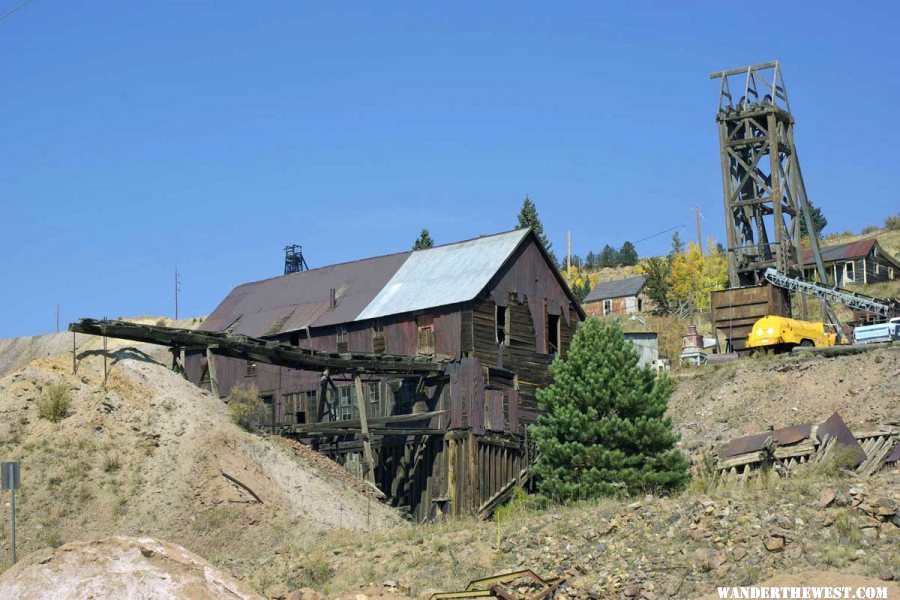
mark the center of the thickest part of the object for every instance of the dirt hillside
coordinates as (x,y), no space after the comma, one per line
(149,454)
(119,567)
(713,404)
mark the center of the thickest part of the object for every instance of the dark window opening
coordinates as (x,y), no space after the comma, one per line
(251,368)
(607,307)
(269,403)
(378,338)
(294,338)
(425,337)
(502,325)
(553,334)
(341,339)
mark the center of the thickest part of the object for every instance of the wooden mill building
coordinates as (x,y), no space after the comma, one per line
(493,311)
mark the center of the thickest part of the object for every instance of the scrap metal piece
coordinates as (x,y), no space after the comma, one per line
(835,428)
(494,587)
(792,435)
(749,443)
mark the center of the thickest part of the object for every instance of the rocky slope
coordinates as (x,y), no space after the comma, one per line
(713,404)
(119,567)
(149,454)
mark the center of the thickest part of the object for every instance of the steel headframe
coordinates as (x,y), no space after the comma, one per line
(765,198)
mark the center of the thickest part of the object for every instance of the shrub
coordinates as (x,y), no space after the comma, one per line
(870,229)
(246,408)
(603,430)
(892,223)
(54,403)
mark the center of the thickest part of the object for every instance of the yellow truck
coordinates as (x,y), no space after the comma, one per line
(781,334)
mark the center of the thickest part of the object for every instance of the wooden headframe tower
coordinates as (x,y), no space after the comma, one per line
(765,198)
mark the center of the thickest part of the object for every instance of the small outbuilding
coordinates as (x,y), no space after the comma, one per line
(861,262)
(617,298)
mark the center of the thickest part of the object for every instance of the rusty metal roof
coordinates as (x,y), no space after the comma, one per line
(630,286)
(299,300)
(850,251)
(365,289)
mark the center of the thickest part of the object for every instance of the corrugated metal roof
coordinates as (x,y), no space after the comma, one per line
(631,286)
(444,275)
(850,251)
(292,302)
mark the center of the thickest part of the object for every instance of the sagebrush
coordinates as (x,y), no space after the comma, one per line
(54,403)
(246,408)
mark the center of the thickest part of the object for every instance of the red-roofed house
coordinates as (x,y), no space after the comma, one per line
(859,262)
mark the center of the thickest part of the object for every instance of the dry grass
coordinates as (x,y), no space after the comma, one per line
(54,403)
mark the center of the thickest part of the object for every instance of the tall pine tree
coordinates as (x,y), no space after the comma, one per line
(424,241)
(603,429)
(818,219)
(628,255)
(528,217)
(609,257)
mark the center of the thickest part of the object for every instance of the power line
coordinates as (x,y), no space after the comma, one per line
(14,10)
(650,237)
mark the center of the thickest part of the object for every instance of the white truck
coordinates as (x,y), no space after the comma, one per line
(874,334)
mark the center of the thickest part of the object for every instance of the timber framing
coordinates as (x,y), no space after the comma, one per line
(266,351)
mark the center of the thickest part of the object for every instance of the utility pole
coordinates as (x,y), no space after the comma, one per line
(699,233)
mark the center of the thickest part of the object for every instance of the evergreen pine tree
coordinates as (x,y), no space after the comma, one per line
(818,219)
(628,255)
(424,241)
(603,429)
(657,270)
(609,257)
(528,217)
(590,260)
(677,246)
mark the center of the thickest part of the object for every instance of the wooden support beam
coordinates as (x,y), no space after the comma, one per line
(261,350)
(211,368)
(364,424)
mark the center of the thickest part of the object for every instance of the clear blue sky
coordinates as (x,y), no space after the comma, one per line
(138,135)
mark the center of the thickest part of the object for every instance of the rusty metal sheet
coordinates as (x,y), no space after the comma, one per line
(840,252)
(748,443)
(893,456)
(792,435)
(836,428)
(305,296)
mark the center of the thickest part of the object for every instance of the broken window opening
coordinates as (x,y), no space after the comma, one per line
(340,338)
(553,334)
(501,322)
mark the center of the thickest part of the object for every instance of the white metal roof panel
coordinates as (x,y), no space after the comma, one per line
(443,275)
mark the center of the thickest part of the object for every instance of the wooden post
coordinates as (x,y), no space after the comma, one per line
(364,425)
(474,490)
(452,491)
(105,370)
(211,367)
